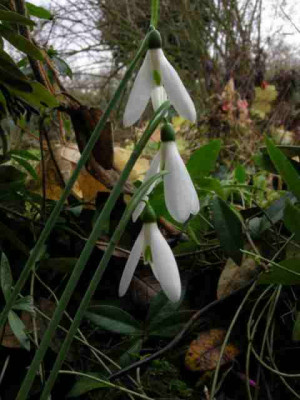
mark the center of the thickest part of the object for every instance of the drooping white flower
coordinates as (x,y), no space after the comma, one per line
(180,195)
(156,251)
(157,79)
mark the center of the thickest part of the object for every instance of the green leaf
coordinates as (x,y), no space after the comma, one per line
(37,11)
(9,78)
(132,353)
(168,325)
(160,305)
(24,304)
(285,168)
(6,277)
(20,43)
(292,219)
(296,330)
(11,16)
(18,328)
(240,174)
(25,164)
(284,275)
(8,62)
(114,319)
(85,384)
(203,160)
(28,155)
(39,97)
(63,68)
(272,214)
(228,228)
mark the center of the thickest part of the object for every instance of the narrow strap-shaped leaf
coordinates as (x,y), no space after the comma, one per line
(16,18)
(285,168)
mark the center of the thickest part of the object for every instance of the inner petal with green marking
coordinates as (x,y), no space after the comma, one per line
(156,77)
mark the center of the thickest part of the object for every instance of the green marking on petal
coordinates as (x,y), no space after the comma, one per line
(157,77)
(147,255)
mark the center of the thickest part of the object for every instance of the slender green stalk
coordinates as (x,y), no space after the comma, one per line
(234,319)
(81,262)
(93,285)
(59,205)
(106,383)
(154,13)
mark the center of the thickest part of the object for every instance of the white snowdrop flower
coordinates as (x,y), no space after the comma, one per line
(159,80)
(180,195)
(156,251)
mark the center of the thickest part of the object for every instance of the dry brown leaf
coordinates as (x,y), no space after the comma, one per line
(144,287)
(204,352)
(121,156)
(9,339)
(234,277)
(86,187)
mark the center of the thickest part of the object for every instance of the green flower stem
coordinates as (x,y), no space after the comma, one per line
(154,13)
(59,205)
(94,284)
(99,226)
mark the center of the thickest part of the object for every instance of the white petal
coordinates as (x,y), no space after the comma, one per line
(180,194)
(154,168)
(132,263)
(164,265)
(176,91)
(158,96)
(140,94)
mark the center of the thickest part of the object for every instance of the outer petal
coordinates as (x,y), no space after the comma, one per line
(154,168)
(180,194)
(164,265)
(140,94)
(132,263)
(158,96)
(176,91)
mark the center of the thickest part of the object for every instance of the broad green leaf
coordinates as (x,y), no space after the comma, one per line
(39,97)
(14,17)
(289,274)
(132,353)
(296,330)
(272,214)
(292,219)
(113,319)
(168,325)
(8,63)
(37,11)
(85,384)
(240,174)
(6,277)
(228,228)
(25,164)
(203,160)
(28,155)
(161,305)
(18,328)
(285,168)
(20,43)
(10,80)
